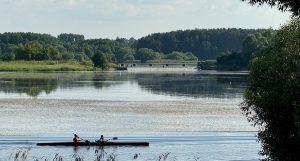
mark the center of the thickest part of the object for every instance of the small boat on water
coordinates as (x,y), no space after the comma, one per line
(93,144)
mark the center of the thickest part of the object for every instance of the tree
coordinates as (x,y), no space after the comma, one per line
(175,55)
(254,44)
(272,99)
(52,52)
(143,54)
(99,59)
(70,37)
(32,49)
(79,57)
(190,56)
(250,46)
(123,54)
(230,59)
(9,57)
(48,53)
(205,44)
(283,5)
(68,55)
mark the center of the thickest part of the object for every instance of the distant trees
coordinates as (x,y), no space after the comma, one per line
(33,46)
(30,51)
(123,54)
(130,42)
(230,60)
(70,37)
(9,57)
(50,53)
(205,44)
(113,50)
(68,55)
(188,45)
(35,51)
(145,54)
(252,46)
(29,46)
(175,55)
(255,44)
(99,59)
(16,38)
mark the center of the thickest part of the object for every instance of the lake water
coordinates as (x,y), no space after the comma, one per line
(184,114)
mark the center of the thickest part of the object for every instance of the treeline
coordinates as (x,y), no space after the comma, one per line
(205,44)
(252,46)
(188,45)
(35,46)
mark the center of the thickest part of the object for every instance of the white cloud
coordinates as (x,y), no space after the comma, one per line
(127,18)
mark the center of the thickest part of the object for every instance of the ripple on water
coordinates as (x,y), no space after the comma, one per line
(38,116)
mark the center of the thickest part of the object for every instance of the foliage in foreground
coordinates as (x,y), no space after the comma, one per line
(100,155)
(283,5)
(272,99)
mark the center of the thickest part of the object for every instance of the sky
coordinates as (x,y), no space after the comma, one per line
(133,18)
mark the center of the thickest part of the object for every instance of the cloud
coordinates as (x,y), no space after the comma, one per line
(137,18)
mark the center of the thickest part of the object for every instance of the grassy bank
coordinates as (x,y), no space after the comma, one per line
(45,66)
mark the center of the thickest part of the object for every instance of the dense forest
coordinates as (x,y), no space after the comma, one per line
(205,44)
(188,45)
(252,46)
(34,46)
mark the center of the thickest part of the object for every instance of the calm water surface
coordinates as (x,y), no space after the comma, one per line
(185,115)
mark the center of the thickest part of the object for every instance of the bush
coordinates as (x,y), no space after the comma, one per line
(272,101)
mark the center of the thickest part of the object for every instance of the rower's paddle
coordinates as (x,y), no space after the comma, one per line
(114,138)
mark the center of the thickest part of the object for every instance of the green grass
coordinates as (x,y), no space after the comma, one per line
(32,66)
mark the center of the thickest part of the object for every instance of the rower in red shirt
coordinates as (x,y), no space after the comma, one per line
(76,138)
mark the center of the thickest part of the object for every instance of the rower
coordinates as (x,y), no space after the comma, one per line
(76,138)
(101,138)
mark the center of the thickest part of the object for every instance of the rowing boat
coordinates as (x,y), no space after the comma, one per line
(93,144)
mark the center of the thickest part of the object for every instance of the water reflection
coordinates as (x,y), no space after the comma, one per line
(106,80)
(32,87)
(194,84)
